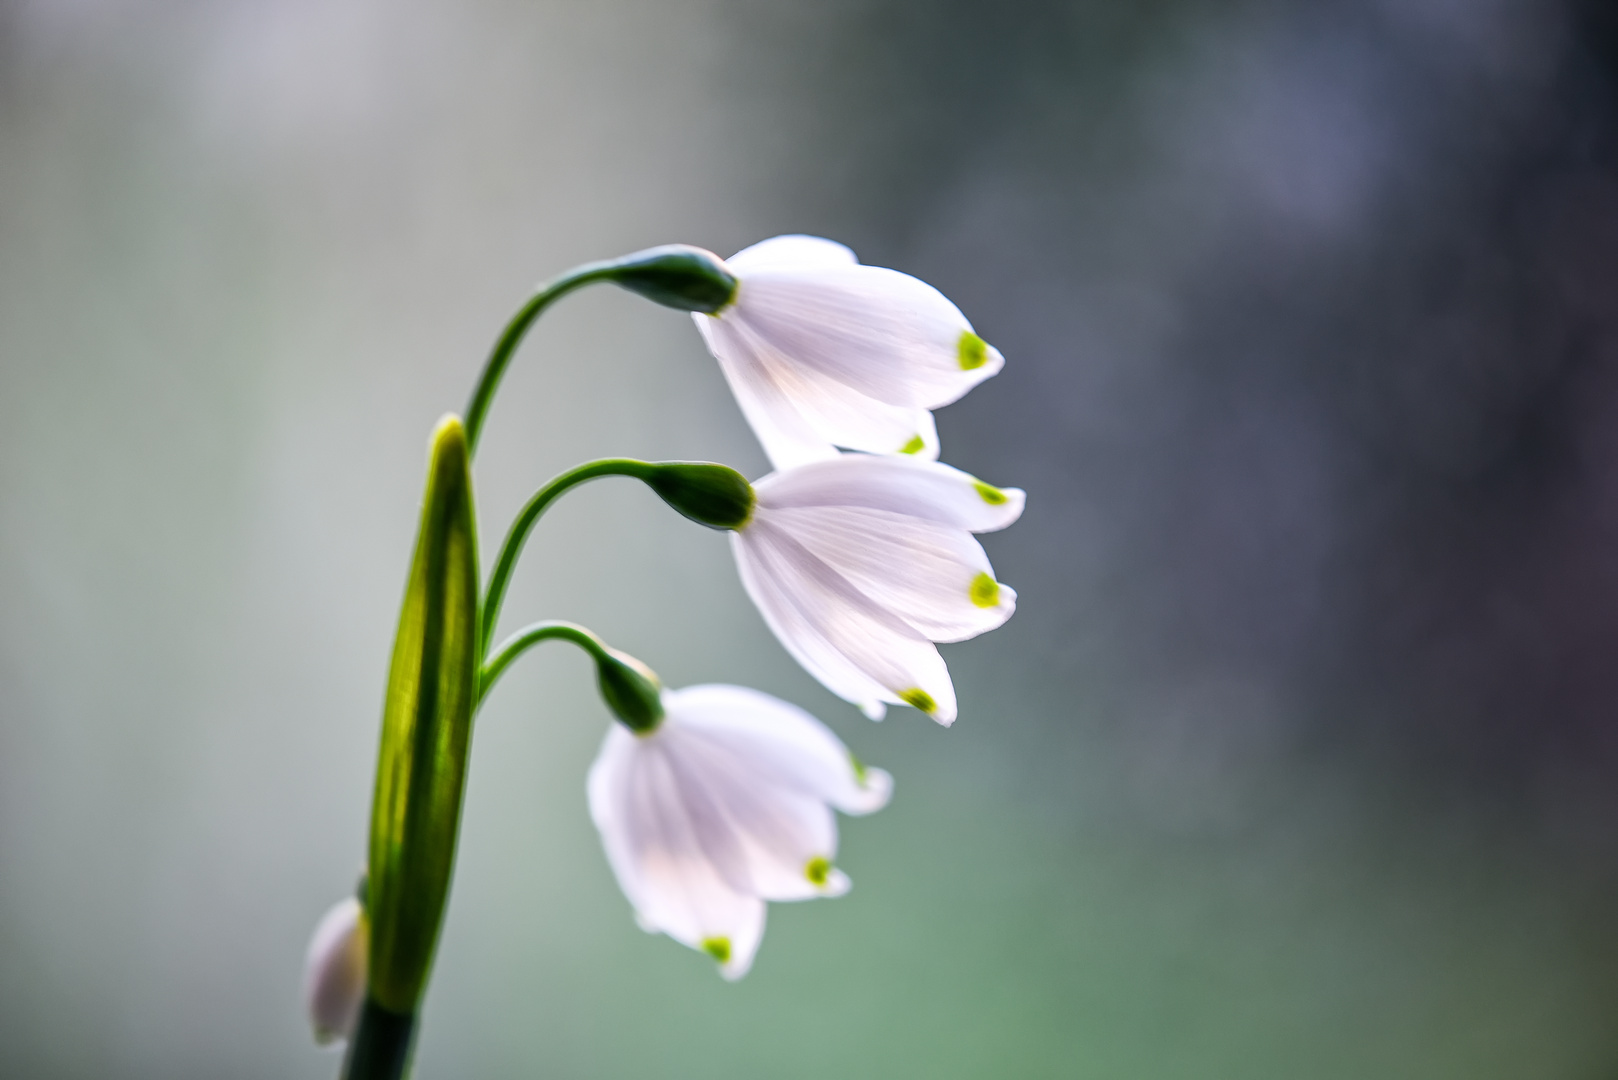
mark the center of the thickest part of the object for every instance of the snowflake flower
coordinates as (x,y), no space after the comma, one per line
(725,804)
(859,563)
(822,352)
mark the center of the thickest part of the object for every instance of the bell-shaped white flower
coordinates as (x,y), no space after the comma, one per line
(822,351)
(334,972)
(725,804)
(860,563)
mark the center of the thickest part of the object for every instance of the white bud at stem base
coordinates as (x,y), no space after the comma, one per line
(334,972)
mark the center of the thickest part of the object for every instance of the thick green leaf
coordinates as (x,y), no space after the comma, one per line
(426,728)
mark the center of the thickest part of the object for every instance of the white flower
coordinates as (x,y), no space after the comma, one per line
(334,972)
(859,563)
(724,805)
(821,351)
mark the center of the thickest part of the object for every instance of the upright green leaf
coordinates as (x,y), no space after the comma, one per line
(426,728)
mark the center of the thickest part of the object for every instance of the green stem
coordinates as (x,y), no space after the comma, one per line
(674,275)
(527,638)
(381,1046)
(504,348)
(524,524)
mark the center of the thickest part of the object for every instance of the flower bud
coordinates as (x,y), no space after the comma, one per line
(677,276)
(334,971)
(631,690)
(713,495)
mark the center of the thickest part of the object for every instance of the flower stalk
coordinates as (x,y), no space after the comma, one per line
(629,687)
(675,275)
(713,495)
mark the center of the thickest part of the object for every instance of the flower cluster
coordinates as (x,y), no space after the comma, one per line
(858,562)
(859,551)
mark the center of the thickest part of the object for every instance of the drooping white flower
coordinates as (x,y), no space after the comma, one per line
(334,972)
(822,351)
(859,563)
(723,805)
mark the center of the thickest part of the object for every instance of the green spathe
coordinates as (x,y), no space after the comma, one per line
(713,495)
(426,728)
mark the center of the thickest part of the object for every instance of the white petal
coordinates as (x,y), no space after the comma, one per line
(791,252)
(928,490)
(935,577)
(334,972)
(858,650)
(784,743)
(876,789)
(784,840)
(835,671)
(765,397)
(607,788)
(799,414)
(656,850)
(833,411)
(886,334)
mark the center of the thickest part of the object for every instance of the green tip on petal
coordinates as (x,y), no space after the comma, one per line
(917,698)
(818,870)
(984,591)
(915,446)
(971,351)
(859,768)
(718,948)
(989,493)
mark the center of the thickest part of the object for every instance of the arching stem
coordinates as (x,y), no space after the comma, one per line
(532,635)
(477,407)
(517,535)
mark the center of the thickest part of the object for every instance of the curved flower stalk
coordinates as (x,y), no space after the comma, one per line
(822,352)
(860,563)
(723,805)
(334,972)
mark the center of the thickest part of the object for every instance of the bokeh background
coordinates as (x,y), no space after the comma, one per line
(1299,758)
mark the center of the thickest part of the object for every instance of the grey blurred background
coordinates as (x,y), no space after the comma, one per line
(1298,759)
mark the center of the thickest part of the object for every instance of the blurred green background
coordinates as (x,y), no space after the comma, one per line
(1298,759)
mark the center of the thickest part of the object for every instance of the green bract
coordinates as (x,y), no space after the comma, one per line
(426,724)
(713,495)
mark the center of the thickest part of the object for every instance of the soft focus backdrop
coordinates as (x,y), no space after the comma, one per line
(1299,758)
